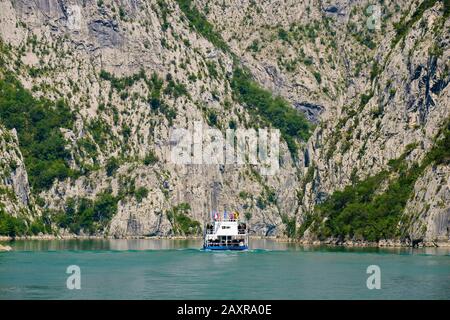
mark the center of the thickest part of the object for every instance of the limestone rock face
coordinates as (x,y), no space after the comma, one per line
(73,43)
(402,111)
(369,91)
(428,209)
(14,188)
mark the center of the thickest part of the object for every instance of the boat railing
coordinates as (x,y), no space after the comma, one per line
(222,244)
(226,220)
(240,231)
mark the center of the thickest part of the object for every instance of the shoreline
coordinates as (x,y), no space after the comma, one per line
(326,243)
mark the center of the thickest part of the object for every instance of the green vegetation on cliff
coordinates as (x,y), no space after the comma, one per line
(404,25)
(38,123)
(274,110)
(19,226)
(11,226)
(365,212)
(182,224)
(89,216)
(198,22)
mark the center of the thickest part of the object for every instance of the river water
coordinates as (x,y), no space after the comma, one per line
(178,269)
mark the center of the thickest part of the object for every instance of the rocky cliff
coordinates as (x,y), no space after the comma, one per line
(15,190)
(371,79)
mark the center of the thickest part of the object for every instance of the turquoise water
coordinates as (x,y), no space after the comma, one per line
(168,269)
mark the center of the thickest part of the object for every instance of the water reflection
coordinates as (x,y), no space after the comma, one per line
(103,244)
(169,244)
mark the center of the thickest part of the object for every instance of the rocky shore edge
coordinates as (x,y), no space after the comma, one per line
(308,242)
(379,244)
(5,248)
(85,237)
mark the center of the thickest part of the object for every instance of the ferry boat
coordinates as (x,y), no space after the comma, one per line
(226,233)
